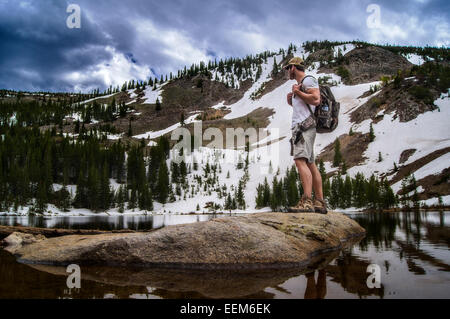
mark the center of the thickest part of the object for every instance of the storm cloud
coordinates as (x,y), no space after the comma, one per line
(136,39)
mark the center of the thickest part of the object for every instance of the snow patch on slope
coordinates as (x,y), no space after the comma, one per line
(427,133)
(155,134)
(151,95)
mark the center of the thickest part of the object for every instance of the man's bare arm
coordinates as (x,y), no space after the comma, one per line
(289,98)
(312,95)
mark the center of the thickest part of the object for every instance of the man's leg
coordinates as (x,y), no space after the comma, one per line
(305,176)
(311,289)
(319,203)
(322,284)
(316,180)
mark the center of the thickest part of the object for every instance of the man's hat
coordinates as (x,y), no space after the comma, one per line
(295,61)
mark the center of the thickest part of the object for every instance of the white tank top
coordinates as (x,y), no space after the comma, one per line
(300,111)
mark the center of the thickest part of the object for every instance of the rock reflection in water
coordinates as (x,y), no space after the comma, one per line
(171,283)
(181,283)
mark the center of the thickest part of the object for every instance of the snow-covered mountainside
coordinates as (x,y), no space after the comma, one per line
(404,143)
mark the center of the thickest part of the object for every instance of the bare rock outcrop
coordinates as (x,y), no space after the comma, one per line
(263,240)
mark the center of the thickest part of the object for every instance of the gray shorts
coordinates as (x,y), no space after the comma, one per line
(305,148)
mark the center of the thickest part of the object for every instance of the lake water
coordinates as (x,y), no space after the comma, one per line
(411,250)
(104,222)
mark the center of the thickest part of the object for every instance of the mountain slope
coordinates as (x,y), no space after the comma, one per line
(407,111)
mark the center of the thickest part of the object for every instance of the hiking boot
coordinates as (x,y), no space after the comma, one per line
(320,206)
(305,205)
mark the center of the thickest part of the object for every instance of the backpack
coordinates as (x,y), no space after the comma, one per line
(327,112)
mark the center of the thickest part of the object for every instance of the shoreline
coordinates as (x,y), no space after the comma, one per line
(409,209)
(238,212)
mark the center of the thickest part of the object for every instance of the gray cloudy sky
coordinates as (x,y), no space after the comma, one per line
(124,39)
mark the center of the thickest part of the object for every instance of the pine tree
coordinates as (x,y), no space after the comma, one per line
(163,182)
(415,199)
(277,197)
(183,171)
(158,105)
(64,199)
(259,200)
(413,186)
(337,153)
(182,119)
(130,131)
(275,67)
(81,196)
(120,198)
(371,133)
(359,191)
(77,127)
(195,165)
(93,189)
(380,158)
(41,199)
(266,193)
(404,191)
(233,203)
(347,193)
(175,172)
(240,200)
(145,198)
(344,168)
(133,198)
(292,192)
(228,203)
(123,109)
(105,196)
(334,192)
(120,163)
(387,195)
(373,192)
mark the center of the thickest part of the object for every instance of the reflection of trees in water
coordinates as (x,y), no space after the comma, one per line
(415,224)
(438,234)
(107,223)
(145,224)
(95,222)
(113,222)
(381,229)
(350,272)
(412,223)
(36,221)
(411,253)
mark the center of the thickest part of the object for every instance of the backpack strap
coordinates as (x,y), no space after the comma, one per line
(310,111)
(309,107)
(306,76)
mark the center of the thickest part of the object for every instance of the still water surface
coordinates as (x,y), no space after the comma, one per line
(412,250)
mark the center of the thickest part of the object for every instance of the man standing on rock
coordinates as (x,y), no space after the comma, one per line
(304,97)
